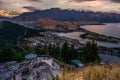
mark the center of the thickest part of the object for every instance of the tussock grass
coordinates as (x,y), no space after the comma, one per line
(97,72)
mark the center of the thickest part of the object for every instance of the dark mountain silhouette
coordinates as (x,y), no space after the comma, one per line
(4,18)
(68,15)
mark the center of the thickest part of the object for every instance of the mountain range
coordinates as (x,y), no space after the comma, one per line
(62,18)
(68,15)
(53,19)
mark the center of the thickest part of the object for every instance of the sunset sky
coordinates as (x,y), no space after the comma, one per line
(20,6)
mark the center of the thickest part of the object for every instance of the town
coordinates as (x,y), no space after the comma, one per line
(48,38)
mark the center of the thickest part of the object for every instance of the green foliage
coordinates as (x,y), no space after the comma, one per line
(7,53)
(11,32)
(90,53)
(55,52)
(40,50)
(66,53)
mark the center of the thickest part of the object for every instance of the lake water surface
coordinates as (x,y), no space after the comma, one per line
(110,29)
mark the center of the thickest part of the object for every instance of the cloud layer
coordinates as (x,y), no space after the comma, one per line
(116,1)
(30,8)
(35,0)
(31,5)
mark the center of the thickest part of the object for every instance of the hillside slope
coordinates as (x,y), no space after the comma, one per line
(51,24)
(10,32)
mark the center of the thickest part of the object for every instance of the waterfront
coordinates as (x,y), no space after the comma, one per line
(108,30)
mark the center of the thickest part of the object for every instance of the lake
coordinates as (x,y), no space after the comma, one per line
(109,29)
(112,59)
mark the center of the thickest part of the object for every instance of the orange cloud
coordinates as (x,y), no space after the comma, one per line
(8,14)
(24,10)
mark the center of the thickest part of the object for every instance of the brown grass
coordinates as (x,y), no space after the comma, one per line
(107,72)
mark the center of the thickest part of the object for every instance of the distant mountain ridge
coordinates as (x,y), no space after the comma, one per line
(4,18)
(69,15)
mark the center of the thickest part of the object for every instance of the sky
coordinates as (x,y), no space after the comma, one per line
(15,7)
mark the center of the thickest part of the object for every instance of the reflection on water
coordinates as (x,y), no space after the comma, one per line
(76,35)
(109,58)
(111,29)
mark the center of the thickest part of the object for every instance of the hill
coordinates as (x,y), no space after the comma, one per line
(4,18)
(12,32)
(68,15)
(51,24)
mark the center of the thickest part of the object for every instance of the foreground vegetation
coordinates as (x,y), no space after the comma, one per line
(66,53)
(7,53)
(97,72)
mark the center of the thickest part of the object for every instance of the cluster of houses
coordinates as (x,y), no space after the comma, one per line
(48,38)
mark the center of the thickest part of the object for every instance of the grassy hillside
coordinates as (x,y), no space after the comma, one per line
(11,32)
(107,72)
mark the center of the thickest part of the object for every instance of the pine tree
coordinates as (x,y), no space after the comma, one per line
(90,52)
(65,52)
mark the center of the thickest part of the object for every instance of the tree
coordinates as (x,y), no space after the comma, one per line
(40,50)
(90,53)
(54,52)
(57,52)
(7,53)
(73,53)
(37,49)
(65,52)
